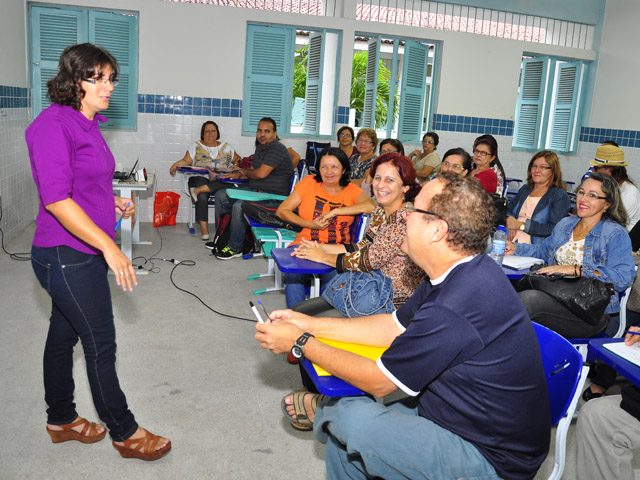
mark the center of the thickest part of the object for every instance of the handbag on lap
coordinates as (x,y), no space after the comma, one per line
(356,294)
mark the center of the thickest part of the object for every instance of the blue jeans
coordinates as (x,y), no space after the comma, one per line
(294,285)
(81,308)
(366,439)
(238,224)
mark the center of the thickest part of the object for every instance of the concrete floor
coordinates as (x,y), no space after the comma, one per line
(192,375)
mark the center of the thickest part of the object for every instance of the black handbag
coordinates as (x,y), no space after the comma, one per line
(267,216)
(587,298)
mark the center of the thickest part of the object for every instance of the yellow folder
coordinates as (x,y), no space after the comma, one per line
(367,351)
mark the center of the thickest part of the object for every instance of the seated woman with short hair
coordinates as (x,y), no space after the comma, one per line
(326,204)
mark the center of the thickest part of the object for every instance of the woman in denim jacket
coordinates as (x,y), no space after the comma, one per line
(541,203)
(593,244)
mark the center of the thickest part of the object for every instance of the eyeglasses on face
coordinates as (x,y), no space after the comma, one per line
(428,142)
(389,150)
(480,153)
(589,195)
(366,141)
(345,135)
(102,81)
(540,167)
(455,166)
(411,209)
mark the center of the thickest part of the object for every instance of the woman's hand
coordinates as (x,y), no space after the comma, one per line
(414,153)
(125,205)
(629,338)
(513,225)
(510,248)
(174,168)
(121,266)
(563,269)
(319,223)
(309,251)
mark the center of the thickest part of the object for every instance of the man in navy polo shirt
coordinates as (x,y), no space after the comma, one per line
(462,348)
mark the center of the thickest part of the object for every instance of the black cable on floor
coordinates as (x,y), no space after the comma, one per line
(21,256)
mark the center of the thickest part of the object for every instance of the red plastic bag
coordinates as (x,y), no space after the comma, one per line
(165,208)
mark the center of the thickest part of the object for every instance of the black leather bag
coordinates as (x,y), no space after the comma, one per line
(500,216)
(585,297)
(267,216)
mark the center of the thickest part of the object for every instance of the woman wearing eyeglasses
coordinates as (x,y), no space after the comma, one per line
(541,203)
(345,137)
(73,247)
(593,243)
(427,160)
(456,160)
(366,143)
(487,167)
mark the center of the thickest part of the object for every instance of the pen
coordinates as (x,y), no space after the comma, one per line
(121,217)
(255,312)
(267,314)
(632,332)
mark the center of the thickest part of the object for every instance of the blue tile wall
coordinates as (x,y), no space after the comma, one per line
(624,138)
(460,123)
(182,105)
(342,116)
(14,97)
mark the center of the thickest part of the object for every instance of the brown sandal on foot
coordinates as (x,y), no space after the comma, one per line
(302,421)
(89,432)
(143,447)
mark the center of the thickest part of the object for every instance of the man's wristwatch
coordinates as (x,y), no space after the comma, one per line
(521,227)
(298,348)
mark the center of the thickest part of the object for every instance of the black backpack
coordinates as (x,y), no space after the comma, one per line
(223,233)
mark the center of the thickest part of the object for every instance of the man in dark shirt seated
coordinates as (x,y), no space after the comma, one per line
(462,348)
(271,172)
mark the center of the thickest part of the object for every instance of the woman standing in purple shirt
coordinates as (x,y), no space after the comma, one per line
(73,248)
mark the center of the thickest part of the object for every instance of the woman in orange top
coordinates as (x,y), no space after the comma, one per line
(326,204)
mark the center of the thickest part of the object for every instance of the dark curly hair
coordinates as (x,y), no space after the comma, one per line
(84,60)
(467,209)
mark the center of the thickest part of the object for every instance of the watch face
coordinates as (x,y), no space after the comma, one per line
(296,351)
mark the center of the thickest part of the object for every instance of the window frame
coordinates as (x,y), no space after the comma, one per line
(122,112)
(261,79)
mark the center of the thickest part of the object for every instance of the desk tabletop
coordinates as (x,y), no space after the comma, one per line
(329,385)
(514,274)
(619,364)
(288,264)
(125,184)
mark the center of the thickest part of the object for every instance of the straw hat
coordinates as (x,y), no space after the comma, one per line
(609,156)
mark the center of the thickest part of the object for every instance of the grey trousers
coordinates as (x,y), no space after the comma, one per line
(606,437)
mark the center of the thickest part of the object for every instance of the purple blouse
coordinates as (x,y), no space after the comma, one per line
(70,159)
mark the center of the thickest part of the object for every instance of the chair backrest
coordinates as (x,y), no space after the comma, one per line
(565,375)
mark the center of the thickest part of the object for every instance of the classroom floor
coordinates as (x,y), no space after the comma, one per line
(190,374)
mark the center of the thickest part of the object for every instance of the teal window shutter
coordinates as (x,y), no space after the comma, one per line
(564,120)
(530,104)
(315,61)
(371,83)
(52,30)
(268,76)
(413,90)
(118,33)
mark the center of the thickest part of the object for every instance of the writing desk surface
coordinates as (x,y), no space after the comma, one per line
(619,364)
(288,264)
(329,385)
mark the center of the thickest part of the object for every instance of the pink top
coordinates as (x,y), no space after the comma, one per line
(526,212)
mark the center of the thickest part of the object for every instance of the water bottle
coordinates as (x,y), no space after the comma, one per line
(499,244)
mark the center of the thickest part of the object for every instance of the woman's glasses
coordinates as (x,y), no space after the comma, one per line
(480,153)
(455,166)
(345,135)
(103,82)
(540,167)
(589,195)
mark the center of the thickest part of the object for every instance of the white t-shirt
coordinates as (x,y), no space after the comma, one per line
(631,201)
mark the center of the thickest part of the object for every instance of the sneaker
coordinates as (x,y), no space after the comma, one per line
(205,236)
(226,253)
(210,245)
(194,197)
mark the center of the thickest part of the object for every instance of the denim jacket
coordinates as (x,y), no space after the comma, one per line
(552,207)
(607,249)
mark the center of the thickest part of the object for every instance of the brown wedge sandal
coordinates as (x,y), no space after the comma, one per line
(143,448)
(89,432)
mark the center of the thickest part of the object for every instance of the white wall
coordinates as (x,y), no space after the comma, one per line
(616,100)
(198,50)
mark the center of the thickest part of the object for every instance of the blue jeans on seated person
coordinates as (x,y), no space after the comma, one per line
(81,308)
(367,440)
(294,284)
(238,224)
